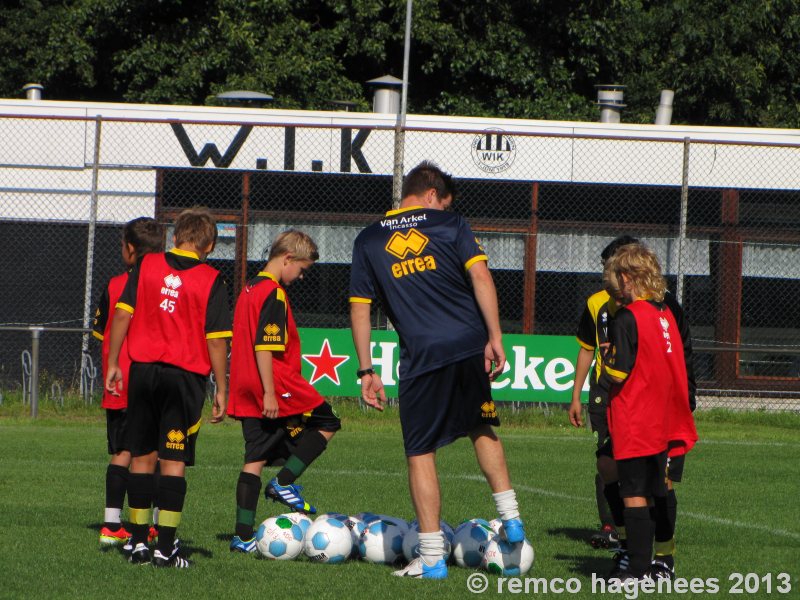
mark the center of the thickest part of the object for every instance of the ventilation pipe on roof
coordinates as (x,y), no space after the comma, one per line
(387,94)
(664,110)
(609,99)
(33,91)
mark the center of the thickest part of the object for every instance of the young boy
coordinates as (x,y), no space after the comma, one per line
(139,237)
(282,415)
(174,311)
(649,417)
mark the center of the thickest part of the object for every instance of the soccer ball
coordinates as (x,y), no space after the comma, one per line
(279,538)
(356,527)
(300,519)
(496,525)
(381,542)
(328,541)
(411,540)
(504,558)
(470,542)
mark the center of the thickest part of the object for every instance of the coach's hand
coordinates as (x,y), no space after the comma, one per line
(495,358)
(372,391)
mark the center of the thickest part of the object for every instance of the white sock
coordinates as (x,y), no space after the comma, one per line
(112,515)
(506,503)
(431,547)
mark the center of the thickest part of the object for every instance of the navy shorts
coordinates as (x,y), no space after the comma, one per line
(116,430)
(274,440)
(165,404)
(438,407)
(643,476)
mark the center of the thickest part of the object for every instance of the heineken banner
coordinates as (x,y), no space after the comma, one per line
(539,368)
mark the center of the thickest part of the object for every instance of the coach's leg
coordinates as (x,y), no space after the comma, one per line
(491,458)
(492,461)
(423,483)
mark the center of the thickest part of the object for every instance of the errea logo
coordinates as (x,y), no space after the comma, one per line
(173,281)
(271,329)
(488,410)
(400,244)
(175,439)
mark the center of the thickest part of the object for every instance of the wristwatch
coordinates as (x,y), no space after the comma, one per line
(361,372)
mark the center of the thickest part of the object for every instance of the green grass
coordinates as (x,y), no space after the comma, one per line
(738,507)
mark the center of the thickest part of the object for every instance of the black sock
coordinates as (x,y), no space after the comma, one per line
(603,511)
(140,499)
(672,509)
(248,489)
(308,449)
(664,515)
(171,495)
(640,528)
(116,486)
(615,503)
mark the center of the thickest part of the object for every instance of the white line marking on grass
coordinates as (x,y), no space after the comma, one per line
(563,496)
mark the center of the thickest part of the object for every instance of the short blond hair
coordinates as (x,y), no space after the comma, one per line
(294,242)
(642,266)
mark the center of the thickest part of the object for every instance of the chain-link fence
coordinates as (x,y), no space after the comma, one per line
(723,217)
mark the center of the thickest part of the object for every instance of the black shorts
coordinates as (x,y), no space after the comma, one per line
(165,404)
(675,467)
(598,415)
(441,406)
(643,476)
(116,430)
(274,440)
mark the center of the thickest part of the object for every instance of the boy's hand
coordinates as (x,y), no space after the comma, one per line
(372,391)
(218,408)
(114,380)
(576,413)
(270,405)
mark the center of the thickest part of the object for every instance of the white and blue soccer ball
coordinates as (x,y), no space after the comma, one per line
(329,541)
(279,538)
(381,541)
(470,541)
(504,558)
(301,519)
(356,527)
(411,540)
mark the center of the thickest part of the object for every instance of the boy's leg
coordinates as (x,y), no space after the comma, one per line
(311,445)
(112,531)
(315,430)
(492,461)
(248,489)
(171,496)
(640,527)
(140,500)
(597,411)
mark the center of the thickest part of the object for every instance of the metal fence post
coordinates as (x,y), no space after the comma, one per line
(399,131)
(684,213)
(36,333)
(87,293)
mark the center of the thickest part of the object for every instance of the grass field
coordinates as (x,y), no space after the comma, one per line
(739,508)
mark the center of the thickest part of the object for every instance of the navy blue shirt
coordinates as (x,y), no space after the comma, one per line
(415,261)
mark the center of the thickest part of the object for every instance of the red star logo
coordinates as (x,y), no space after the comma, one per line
(325,363)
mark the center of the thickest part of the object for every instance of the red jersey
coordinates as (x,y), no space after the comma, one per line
(649,412)
(169,322)
(263,321)
(100,330)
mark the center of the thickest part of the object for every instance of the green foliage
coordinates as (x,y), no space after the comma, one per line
(730,63)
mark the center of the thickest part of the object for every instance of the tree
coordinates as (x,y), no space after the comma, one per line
(727,61)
